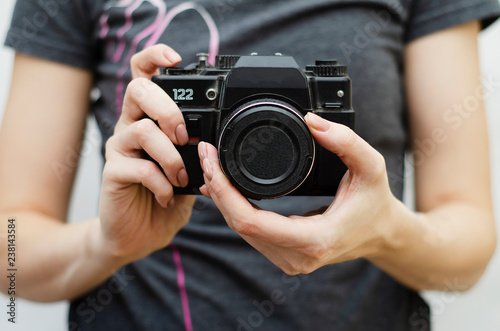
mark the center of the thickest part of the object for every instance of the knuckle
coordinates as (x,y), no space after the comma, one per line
(349,139)
(311,258)
(245,227)
(171,117)
(137,89)
(304,267)
(172,162)
(107,171)
(146,170)
(290,271)
(143,128)
(379,166)
(110,173)
(156,48)
(136,83)
(216,188)
(317,252)
(310,268)
(134,60)
(120,124)
(167,192)
(109,147)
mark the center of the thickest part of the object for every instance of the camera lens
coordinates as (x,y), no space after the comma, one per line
(266,149)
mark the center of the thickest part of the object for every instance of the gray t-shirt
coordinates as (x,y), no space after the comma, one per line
(209,278)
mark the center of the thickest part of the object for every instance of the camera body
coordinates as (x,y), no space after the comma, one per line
(252,108)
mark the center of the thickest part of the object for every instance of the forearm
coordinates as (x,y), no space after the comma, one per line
(56,261)
(447,248)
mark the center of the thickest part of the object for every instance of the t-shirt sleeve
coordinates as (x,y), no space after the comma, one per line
(57,30)
(429,16)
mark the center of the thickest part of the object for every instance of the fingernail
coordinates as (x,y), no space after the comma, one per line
(202,149)
(182,177)
(172,56)
(317,123)
(181,134)
(207,168)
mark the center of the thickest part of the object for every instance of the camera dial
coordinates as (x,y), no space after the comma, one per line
(266,149)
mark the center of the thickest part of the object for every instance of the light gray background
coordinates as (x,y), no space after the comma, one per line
(477,309)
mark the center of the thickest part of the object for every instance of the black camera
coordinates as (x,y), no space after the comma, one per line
(252,108)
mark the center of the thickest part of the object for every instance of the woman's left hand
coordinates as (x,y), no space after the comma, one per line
(358,223)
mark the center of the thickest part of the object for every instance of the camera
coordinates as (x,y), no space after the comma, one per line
(252,108)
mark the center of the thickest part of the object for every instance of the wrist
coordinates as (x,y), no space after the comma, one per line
(397,224)
(99,248)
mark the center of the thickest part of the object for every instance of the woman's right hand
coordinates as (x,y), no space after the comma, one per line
(138,211)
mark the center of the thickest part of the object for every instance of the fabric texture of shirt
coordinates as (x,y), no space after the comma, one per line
(209,278)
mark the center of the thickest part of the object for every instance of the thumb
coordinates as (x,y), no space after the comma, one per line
(356,153)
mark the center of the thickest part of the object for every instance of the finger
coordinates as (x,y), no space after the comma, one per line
(356,153)
(240,214)
(203,153)
(146,62)
(123,171)
(145,135)
(205,150)
(143,97)
(204,191)
(229,200)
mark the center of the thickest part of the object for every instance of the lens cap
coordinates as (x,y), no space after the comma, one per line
(265,149)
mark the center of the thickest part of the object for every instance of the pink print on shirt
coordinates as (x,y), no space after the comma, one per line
(151,34)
